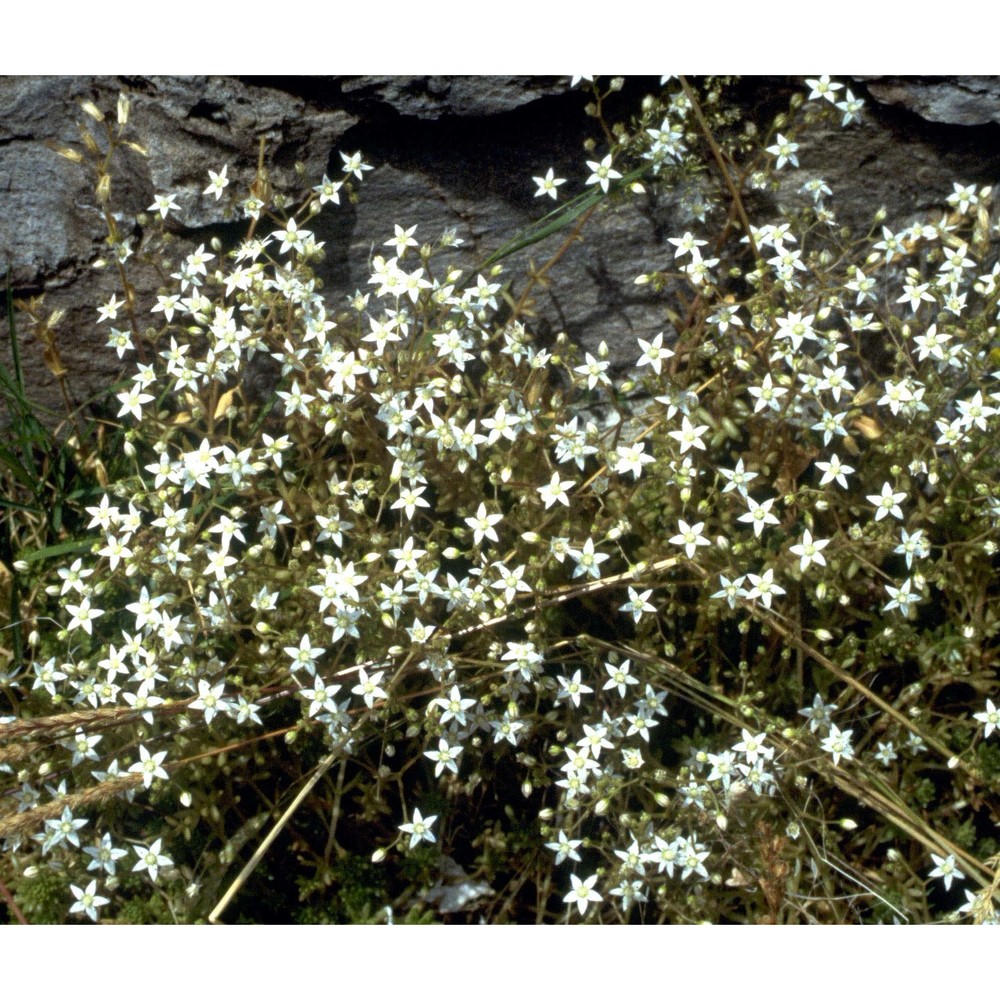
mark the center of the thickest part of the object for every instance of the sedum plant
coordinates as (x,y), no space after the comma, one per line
(387,611)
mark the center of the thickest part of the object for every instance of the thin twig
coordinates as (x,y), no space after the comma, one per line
(12,904)
(248,868)
(720,161)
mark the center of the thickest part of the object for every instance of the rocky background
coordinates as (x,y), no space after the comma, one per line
(450,153)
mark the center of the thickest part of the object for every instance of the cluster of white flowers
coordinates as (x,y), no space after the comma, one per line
(383,542)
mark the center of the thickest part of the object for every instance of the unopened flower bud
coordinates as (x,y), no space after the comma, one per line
(73,155)
(93,110)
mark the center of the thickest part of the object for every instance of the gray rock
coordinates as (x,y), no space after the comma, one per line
(451,153)
(432,97)
(962,100)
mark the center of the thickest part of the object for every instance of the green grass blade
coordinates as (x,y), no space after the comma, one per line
(24,507)
(558,219)
(74,547)
(26,429)
(17,468)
